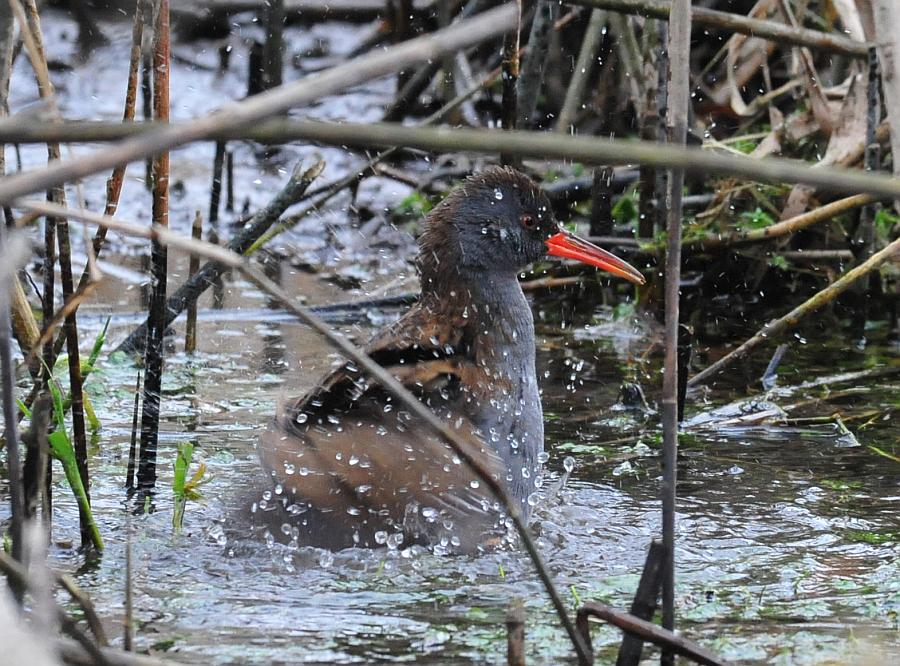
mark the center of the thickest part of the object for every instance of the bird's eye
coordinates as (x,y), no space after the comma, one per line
(528,221)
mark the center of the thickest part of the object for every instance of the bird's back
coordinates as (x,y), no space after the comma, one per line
(347,458)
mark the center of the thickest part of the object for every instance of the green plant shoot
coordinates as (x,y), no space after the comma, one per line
(185,489)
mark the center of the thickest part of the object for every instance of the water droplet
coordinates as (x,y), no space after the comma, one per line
(302,417)
(498,195)
(353,460)
(569,464)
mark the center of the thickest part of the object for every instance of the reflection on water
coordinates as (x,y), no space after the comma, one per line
(787,549)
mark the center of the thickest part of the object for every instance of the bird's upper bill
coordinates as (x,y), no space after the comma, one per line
(570,246)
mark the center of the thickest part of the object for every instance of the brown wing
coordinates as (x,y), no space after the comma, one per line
(346,447)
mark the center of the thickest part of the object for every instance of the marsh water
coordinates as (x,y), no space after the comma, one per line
(788,523)
(787,546)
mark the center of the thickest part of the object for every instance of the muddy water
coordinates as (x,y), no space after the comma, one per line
(788,534)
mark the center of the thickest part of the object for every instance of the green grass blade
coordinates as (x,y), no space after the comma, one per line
(62,449)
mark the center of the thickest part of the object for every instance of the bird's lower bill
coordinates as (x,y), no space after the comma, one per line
(570,246)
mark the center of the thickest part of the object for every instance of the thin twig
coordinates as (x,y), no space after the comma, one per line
(86,605)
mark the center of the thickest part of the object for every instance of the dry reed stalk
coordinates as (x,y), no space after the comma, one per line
(215,191)
(70,305)
(273,48)
(19,574)
(24,325)
(541,145)
(635,626)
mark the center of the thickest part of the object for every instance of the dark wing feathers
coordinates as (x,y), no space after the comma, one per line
(344,448)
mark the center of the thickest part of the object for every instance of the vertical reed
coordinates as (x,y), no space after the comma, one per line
(273,49)
(510,69)
(864,238)
(7,290)
(10,434)
(153,356)
(584,66)
(649,131)
(132,449)
(215,192)
(190,337)
(677,121)
(401,11)
(515,633)
(33,37)
(229,190)
(535,62)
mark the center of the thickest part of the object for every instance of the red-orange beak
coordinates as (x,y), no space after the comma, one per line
(570,246)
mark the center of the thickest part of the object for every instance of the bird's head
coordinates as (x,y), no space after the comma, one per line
(499,221)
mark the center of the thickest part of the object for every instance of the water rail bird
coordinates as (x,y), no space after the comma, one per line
(356,468)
